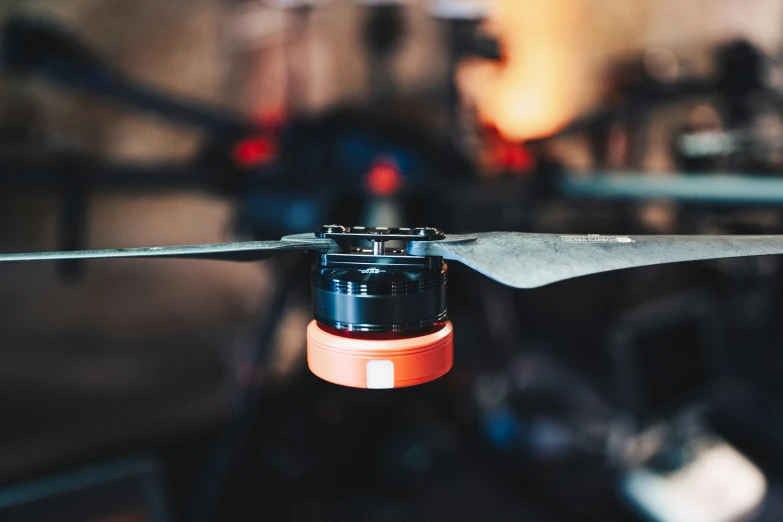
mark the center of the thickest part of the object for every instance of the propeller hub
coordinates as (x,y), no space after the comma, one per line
(380,314)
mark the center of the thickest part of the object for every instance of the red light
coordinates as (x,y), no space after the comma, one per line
(253,151)
(516,158)
(384,179)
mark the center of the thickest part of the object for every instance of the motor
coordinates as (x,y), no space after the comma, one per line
(380,316)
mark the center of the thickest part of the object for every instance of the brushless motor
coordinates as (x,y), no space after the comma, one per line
(380,319)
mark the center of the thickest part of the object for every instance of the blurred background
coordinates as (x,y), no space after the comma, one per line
(177,390)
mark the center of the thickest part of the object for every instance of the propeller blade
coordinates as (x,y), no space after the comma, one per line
(243,251)
(532,260)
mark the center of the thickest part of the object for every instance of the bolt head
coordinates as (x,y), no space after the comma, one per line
(428,232)
(333,229)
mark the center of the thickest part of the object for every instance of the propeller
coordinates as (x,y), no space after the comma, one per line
(241,251)
(516,259)
(525,260)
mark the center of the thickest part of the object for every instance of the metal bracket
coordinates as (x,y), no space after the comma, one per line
(378,236)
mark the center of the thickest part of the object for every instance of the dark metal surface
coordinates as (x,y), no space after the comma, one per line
(391,259)
(379,299)
(339,232)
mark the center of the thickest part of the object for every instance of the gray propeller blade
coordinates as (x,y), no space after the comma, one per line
(243,251)
(532,260)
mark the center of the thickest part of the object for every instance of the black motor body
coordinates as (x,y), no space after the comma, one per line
(378,290)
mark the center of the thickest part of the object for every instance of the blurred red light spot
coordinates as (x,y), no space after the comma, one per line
(384,179)
(253,151)
(516,158)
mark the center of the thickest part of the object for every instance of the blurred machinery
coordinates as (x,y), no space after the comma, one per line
(602,399)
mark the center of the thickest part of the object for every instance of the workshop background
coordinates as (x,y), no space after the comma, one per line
(177,390)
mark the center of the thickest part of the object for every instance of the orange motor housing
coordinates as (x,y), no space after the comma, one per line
(380,361)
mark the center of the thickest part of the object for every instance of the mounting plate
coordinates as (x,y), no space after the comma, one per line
(339,232)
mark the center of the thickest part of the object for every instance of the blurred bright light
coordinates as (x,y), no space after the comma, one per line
(533,93)
(384,178)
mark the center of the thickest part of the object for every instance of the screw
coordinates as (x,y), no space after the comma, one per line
(333,229)
(428,232)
